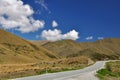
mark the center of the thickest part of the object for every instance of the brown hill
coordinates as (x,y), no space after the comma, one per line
(14,49)
(39,43)
(99,50)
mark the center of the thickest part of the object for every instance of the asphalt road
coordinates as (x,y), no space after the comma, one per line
(82,74)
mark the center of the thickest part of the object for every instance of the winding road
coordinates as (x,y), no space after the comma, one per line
(87,73)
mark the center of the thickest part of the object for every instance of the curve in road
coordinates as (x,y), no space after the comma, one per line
(87,73)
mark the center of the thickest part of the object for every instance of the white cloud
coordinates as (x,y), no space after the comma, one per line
(52,35)
(16,15)
(71,35)
(42,4)
(37,12)
(100,37)
(89,38)
(54,23)
(55,35)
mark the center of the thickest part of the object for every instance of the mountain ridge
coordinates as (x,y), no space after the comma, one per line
(108,48)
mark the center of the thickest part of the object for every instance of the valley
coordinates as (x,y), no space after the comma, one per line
(20,57)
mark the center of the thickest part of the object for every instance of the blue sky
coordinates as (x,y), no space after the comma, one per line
(92,19)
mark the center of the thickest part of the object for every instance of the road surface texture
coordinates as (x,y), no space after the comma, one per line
(87,73)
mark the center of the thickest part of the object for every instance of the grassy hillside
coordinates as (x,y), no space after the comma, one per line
(63,48)
(27,69)
(99,50)
(14,49)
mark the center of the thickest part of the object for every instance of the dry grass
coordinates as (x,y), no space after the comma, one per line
(114,66)
(18,70)
(75,60)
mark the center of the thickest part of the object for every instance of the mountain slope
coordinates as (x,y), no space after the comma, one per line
(14,49)
(99,50)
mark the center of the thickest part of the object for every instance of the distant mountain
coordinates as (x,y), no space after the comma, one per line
(99,50)
(39,43)
(14,49)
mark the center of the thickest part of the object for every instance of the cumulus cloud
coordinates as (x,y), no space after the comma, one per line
(54,23)
(89,38)
(16,15)
(52,35)
(55,35)
(100,37)
(71,35)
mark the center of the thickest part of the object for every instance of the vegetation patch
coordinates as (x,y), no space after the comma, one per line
(111,70)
